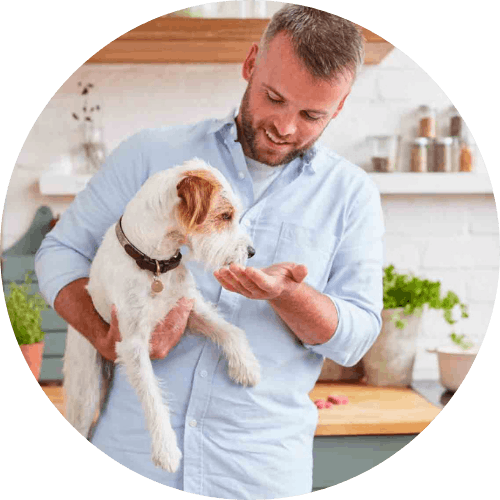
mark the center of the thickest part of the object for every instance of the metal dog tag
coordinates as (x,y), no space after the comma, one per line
(157,286)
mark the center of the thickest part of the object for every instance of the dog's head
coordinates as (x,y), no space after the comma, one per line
(208,214)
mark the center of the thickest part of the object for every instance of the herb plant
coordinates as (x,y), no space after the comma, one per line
(24,308)
(412,294)
(460,341)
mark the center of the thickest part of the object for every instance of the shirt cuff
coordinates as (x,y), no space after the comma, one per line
(357,329)
(325,348)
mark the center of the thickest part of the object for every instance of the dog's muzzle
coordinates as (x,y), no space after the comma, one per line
(250,251)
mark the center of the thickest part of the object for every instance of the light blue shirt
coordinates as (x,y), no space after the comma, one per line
(237,442)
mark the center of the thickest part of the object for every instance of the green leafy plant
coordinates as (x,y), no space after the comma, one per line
(24,308)
(412,293)
(460,341)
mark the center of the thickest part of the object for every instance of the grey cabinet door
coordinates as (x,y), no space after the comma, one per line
(16,262)
(339,458)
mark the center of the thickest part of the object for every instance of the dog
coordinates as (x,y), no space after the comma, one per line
(138,268)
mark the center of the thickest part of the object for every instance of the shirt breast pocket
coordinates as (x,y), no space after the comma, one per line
(308,246)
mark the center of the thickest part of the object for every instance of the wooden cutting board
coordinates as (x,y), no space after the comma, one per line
(371,410)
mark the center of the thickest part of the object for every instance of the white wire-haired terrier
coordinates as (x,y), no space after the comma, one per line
(138,268)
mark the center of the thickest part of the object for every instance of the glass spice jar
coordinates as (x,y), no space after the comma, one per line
(420,152)
(384,152)
(456,146)
(427,122)
(443,154)
(455,123)
(466,157)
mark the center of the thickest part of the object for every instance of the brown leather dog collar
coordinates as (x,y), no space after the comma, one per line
(141,259)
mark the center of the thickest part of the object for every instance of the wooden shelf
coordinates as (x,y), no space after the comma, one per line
(432,183)
(53,184)
(171,39)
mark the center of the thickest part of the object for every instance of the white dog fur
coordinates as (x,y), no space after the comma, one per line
(170,210)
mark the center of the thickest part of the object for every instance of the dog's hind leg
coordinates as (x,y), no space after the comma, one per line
(243,366)
(133,354)
(82,370)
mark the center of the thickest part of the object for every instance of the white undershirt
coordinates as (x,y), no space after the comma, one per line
(262,175)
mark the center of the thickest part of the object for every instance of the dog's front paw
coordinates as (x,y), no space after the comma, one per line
(168,459)
(245,371)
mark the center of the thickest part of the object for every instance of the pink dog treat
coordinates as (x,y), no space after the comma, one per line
(338,400)
(320,403)
(328,404)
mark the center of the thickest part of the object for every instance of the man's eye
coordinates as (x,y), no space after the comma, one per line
(311,118)
(274,99)
(227,216)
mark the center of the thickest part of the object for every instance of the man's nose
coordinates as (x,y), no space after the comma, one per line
(250,251)
(285,125)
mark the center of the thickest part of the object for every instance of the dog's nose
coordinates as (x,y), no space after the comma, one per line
(251,252)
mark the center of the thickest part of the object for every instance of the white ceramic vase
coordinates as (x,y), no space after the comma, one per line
(390,360)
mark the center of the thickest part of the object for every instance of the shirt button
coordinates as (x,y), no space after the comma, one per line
(248,223)
(203,373)
(193,423)
(241,175)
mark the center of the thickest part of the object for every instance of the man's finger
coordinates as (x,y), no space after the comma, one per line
(240,275)
(222,279)
(264,281)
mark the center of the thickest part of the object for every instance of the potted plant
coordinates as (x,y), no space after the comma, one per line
(24,308)
(390,360)
(455,361)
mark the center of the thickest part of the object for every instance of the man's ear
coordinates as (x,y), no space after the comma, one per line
(340,106)
(250,62)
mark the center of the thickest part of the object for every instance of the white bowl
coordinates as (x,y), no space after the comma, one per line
(454,364)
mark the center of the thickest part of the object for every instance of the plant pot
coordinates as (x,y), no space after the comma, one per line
(454,364)
(390,360)
(33,354)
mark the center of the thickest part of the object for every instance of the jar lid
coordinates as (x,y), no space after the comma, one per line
(422,141)
(447,141)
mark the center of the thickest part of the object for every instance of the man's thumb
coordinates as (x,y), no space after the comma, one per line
(299,272)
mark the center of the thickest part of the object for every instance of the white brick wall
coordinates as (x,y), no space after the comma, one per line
(449,238)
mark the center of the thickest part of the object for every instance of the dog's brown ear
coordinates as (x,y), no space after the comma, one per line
(196,191)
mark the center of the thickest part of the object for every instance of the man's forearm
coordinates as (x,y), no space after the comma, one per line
(311,315)
(74,305)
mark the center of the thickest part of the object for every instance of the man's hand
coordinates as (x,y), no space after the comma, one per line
(165,336)
(269,283)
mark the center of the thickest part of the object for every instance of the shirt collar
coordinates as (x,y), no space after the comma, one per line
(227,126)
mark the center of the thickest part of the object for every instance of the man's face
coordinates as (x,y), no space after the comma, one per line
(284,109)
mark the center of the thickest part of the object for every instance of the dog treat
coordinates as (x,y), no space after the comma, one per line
(320,403)
(338,400)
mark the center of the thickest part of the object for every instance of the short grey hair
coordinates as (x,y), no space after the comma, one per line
(328,45)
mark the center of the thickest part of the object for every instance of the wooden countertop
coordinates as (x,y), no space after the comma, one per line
(370,411)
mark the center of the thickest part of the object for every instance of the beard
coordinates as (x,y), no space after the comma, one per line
(247,134)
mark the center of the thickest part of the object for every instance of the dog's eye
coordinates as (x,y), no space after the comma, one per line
(227,216)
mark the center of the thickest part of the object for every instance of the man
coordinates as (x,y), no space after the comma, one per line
(303,206)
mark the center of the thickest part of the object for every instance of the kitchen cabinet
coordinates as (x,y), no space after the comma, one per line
(375,424)
(172,39)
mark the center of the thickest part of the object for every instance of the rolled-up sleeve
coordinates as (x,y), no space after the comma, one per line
(355,281)
(67,251)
